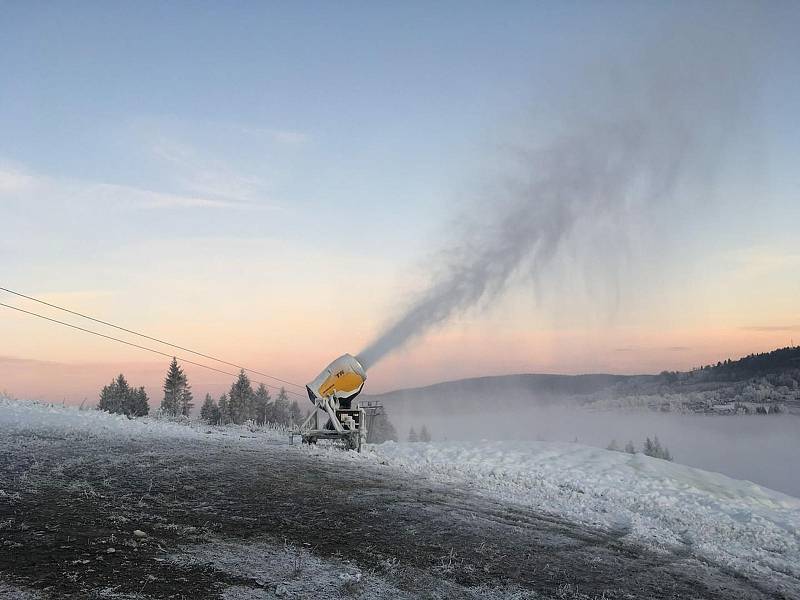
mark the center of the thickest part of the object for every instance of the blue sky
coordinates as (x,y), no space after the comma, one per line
(275,141)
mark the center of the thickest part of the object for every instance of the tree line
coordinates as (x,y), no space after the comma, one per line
(242,403)
(119,397)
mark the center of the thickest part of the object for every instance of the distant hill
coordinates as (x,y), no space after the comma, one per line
(767,382)
(502,391)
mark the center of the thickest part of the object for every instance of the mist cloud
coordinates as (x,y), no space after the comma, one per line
(642,138)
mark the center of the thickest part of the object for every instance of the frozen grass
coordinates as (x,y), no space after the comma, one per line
(286,571)
(54,419)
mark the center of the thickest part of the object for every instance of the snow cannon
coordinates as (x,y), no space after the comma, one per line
(332,392)
(342,380)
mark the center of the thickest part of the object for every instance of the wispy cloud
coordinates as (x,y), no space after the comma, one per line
(16,360)
(767,328)
(15,181)
(26,185)
(209,177)
(149,199)
(677,348)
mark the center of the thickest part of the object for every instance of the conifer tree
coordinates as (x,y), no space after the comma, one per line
(630,448)
(240,398)
(295,413)
(114,396)
(281,408)
(412,435)
(424,435)
(261,404)
(224,410)
(119,397)
(139,405)
(186,404)
(656,450)
(208,409)
(177,392)
(381,429)
(649,447)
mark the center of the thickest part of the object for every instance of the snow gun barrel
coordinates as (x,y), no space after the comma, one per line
(341,380)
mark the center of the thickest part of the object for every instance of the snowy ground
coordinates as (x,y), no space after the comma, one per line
(746,527)
(693,517)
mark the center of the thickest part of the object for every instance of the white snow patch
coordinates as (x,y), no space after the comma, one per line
(749,528)
(270,570)
(19,416)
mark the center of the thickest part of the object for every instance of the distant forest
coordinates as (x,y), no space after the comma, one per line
(783,362)
(763,383)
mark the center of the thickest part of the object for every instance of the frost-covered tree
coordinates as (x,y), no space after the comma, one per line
(280,412)
(412,435)
(381,429)
(114,396)
(209,412)
(186,404)
(224,410)
(177,392)
(424,435)
(653,448)
(139,405)
(630,448)
(240,398)
(295,413)
(119,397)
(613,446)
(261,405)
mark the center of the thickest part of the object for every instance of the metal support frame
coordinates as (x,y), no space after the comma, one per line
(354,437)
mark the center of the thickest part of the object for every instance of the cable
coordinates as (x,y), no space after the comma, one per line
(108,337)
(72,312)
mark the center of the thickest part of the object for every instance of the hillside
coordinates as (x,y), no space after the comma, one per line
(757,383)
(465,396)
(781,362)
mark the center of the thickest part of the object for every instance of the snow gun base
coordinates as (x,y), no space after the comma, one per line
(347,425)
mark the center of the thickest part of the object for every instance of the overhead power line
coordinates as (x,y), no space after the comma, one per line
(154,339)
(127,343)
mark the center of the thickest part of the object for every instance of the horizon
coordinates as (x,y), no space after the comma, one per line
(154,389)
(276,185)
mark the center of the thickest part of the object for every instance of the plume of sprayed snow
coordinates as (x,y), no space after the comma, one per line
(646,137)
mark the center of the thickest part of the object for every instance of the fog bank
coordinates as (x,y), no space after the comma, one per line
(761,449)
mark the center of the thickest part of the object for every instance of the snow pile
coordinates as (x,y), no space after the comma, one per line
(744,526)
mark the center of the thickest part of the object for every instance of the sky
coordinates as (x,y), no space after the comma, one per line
(267,183)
